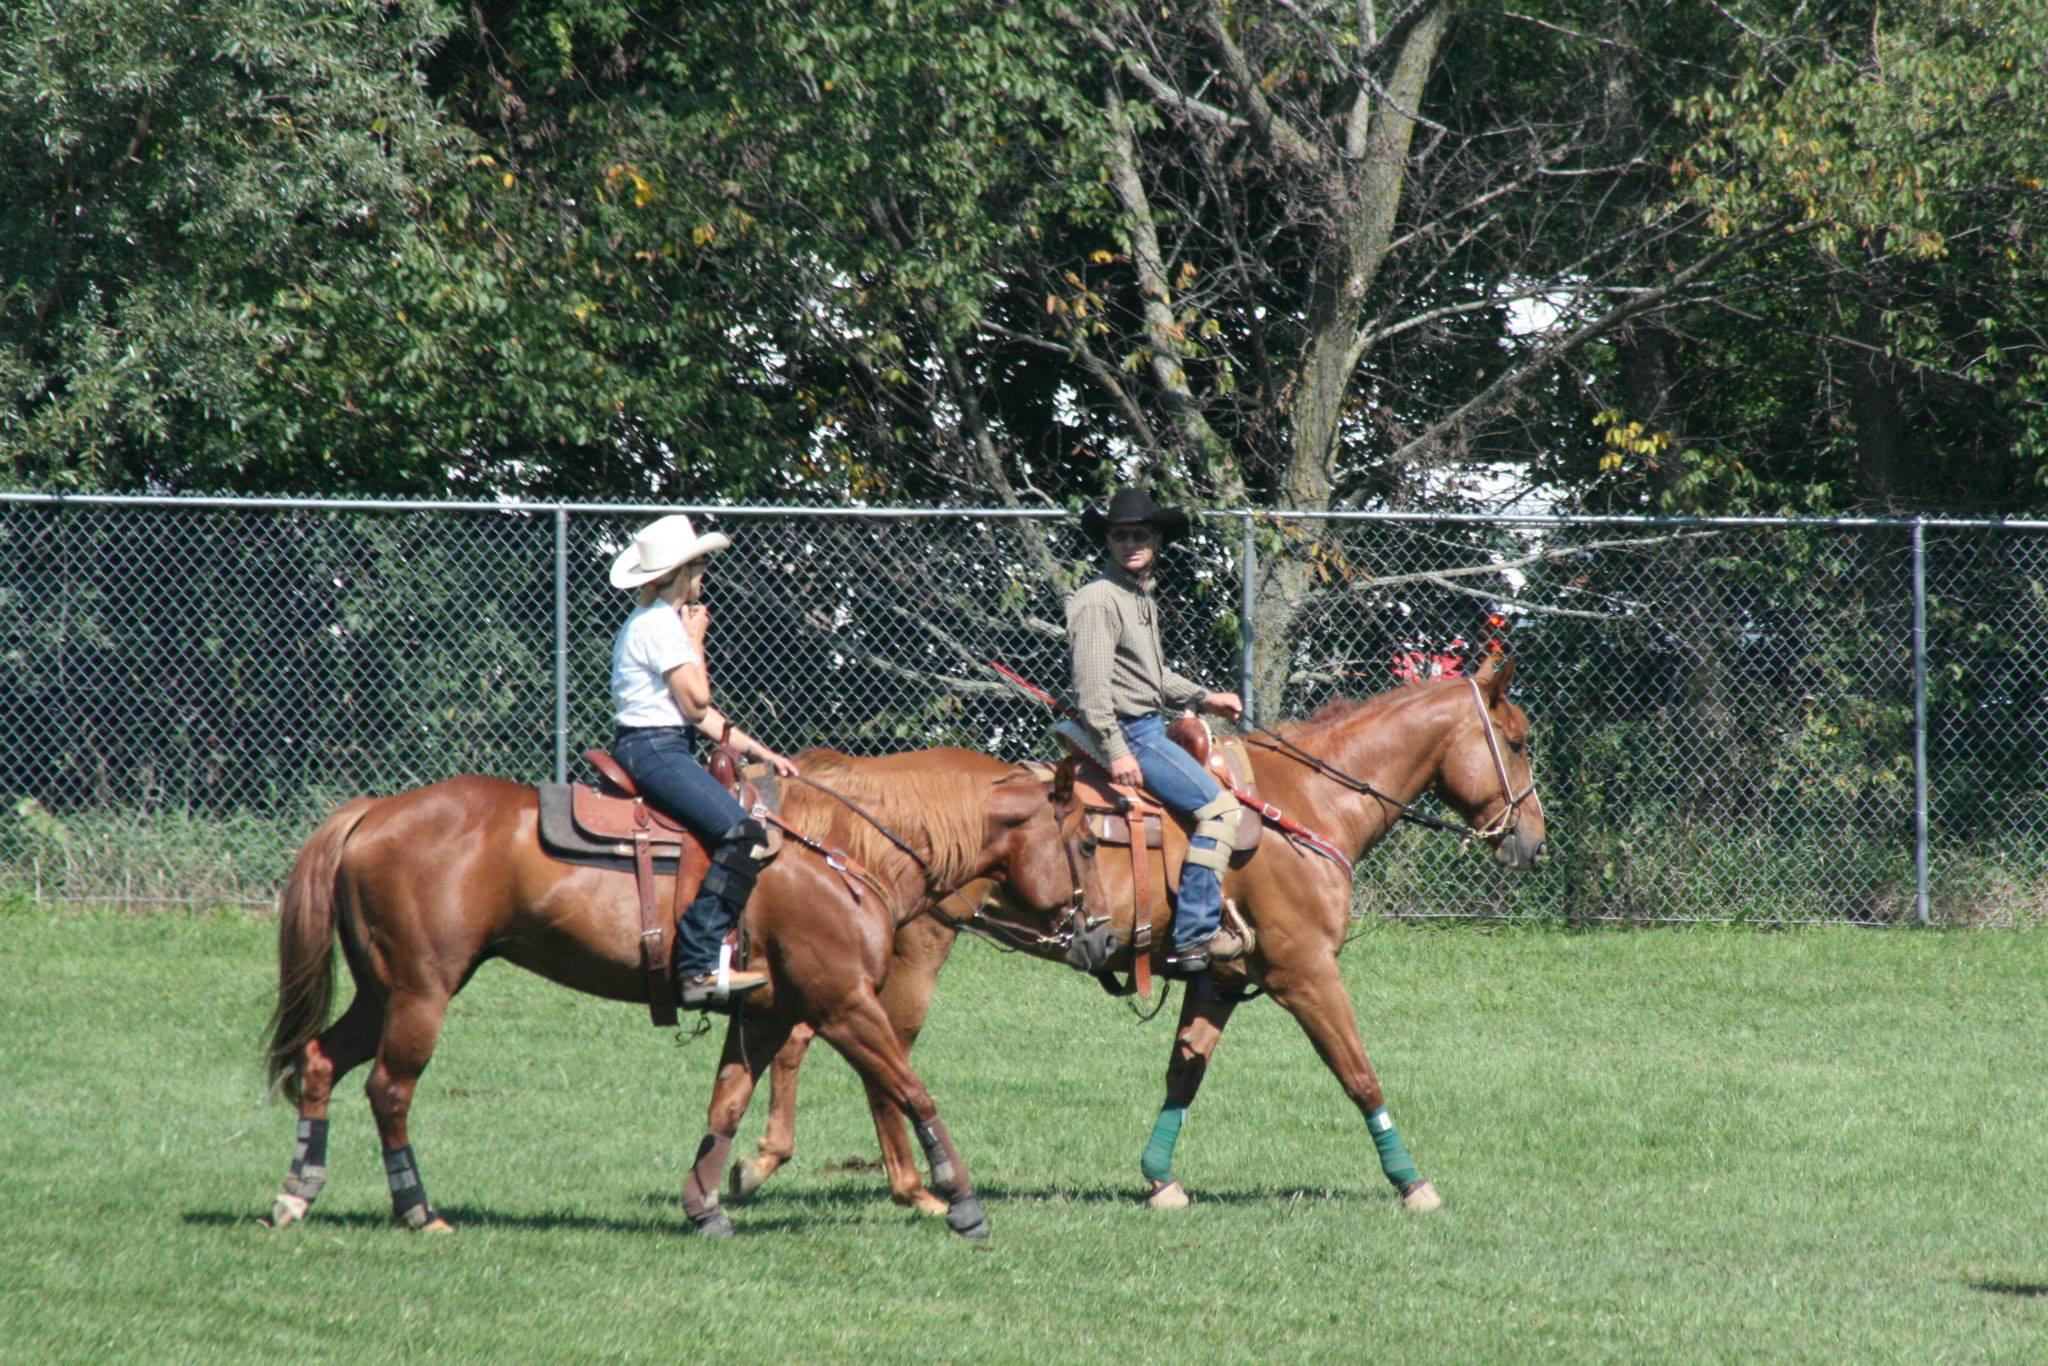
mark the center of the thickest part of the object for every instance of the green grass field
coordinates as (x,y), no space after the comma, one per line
(1670,1146)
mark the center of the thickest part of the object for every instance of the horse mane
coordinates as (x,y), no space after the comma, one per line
(1340,710)
(927,804)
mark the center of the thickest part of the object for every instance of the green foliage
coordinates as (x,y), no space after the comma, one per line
(1888,346)
(184,184)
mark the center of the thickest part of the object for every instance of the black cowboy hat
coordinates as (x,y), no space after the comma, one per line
(1135,505)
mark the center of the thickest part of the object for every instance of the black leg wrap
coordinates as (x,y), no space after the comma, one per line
(308,1171)
(734,868)
(945,1177)
(967,1218)
(408,1193)
(700,1189)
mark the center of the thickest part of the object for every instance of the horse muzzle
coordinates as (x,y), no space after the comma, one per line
(1520,851)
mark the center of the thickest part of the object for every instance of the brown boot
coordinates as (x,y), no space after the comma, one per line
(1227,947)
(702,992)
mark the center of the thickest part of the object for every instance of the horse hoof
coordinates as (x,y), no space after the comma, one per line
(713,1225)
(288,1209)
(422,1219)
(1421,1198)
(921,1201)
(967,1218)
(744,1179)
(1168,1195)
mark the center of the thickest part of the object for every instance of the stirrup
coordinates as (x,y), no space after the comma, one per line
(703,991)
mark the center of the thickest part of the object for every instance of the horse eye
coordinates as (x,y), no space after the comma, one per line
(1519,746)
(1088,846)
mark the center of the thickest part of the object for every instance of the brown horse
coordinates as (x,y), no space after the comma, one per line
(424,887)
(1459,738)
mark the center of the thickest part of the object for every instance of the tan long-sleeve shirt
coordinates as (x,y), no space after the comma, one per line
(1119,668)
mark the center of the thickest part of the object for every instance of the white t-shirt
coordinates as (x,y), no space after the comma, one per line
(651,643)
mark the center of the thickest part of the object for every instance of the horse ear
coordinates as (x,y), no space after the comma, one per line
(1501,668)
(1063,778)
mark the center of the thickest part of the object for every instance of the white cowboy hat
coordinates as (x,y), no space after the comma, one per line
(660,546)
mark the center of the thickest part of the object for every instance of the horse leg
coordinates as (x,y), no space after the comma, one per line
(1203,1014)
(338,1050)
(864,1037)
(906,997)
(412,1025)
(751,1042)
(1315,996)
(778,1140)
(906,1187)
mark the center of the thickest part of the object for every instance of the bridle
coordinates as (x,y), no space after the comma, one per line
(1509,818)
(1504,823)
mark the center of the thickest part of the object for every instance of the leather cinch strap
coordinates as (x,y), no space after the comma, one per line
(1141,908)
(654,958)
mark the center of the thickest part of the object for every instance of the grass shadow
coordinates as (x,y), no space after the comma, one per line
(846,1195)
(2025,1290)
(462,1216)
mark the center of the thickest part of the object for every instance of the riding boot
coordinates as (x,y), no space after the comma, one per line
(700,983)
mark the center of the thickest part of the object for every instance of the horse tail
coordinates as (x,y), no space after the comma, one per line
(306,930)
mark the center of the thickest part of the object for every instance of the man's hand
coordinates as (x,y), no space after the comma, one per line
(1226,704)
(696,621)
(1124,771)
(783,767)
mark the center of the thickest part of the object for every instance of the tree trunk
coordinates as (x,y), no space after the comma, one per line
(1363,194)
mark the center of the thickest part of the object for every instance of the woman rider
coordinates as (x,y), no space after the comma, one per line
(661,690)
(1121,682)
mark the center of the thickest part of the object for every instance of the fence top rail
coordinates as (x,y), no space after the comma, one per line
(515,505)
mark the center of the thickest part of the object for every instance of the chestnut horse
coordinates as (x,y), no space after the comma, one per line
(1459,738)
(424,887)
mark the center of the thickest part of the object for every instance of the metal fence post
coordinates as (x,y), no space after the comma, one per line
(1245,633)
(561,644)
(1920,718)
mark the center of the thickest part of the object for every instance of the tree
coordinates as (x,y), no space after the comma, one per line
(184,186)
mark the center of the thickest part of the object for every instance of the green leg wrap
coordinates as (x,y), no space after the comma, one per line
(1158,1160)
(1394,1159)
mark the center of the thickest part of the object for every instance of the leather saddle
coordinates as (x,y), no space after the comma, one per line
(1111,809)
(601,821)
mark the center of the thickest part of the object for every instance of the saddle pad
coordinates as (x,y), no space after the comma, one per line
(561,836)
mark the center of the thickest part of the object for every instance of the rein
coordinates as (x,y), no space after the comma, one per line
(1404,811)
(975,919)
(1500,825)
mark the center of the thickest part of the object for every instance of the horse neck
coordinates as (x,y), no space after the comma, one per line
(1396,747)
(924,796)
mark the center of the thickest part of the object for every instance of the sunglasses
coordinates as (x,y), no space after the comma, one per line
(1131,533)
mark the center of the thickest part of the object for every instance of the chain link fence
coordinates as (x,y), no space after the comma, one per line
(1724,712)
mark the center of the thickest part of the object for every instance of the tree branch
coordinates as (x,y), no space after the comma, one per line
(1278,135)
(1512,379)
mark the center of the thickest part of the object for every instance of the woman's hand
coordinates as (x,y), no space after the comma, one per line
(783,766)
(696,621)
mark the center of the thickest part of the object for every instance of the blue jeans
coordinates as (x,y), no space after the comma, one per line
(1182,786)
(660,761)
